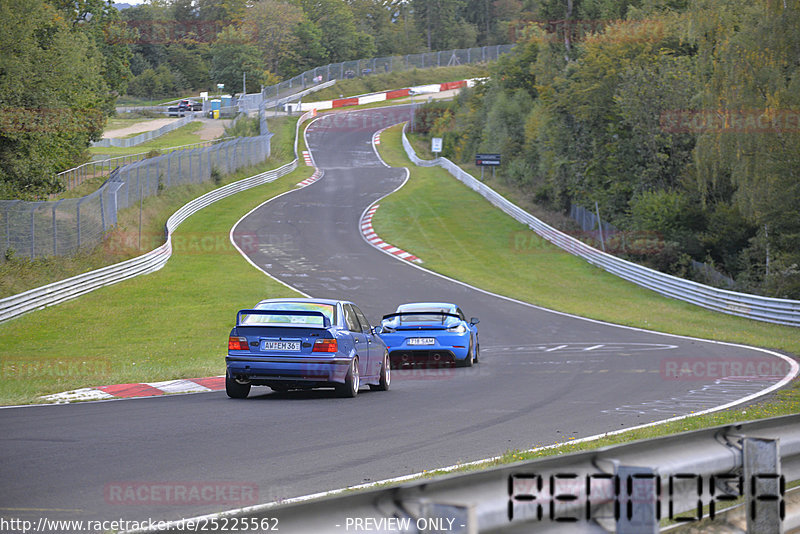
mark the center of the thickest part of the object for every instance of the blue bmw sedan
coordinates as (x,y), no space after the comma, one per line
(430,333)
(302,344)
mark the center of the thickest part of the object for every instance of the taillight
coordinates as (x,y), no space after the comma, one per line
(237,343)
(325,345)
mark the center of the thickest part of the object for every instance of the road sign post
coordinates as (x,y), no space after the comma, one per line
(436,145)
(487,160)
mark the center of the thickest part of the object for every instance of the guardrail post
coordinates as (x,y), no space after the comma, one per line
(640,489)
(33,231)
(764,486)
(102,212)
(78,223)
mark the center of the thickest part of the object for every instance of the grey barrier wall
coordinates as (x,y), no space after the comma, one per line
(773,310)
(364,67)
(146,136)
(55,293)
(39,229)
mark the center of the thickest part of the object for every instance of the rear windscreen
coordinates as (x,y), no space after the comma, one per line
(328,310)
(409,316)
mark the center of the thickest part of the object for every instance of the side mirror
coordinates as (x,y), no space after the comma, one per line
(377,330)
(474,320)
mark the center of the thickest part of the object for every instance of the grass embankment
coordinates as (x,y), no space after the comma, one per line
(166,325)
(21,274)
(185,135)
(119,122)
(459,234)
(398,80)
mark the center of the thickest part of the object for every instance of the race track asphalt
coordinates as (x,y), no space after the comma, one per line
(543,378)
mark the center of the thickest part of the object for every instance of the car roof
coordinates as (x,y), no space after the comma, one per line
(331,302)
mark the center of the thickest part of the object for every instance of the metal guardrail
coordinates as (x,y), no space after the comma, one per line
(624,488)
(773,310)
(58,292)
(367,67)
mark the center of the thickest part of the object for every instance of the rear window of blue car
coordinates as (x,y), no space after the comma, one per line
(408,319)
(328,310)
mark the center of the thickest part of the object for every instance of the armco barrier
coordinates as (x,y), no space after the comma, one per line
(57,292)
(624,488)
(280,93)
(773,310)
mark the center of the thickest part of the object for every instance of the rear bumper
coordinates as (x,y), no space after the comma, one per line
(308,371)
(402,357)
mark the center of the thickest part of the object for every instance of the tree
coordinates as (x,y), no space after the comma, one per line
(441,22)
(271,26)
(340,37)
(101,22)
(52,97)
(233,55)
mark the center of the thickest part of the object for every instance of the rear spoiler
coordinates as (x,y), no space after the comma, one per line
(326,323)
(435,314)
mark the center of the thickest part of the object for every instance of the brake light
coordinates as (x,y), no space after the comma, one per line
(238,343)
(325,345)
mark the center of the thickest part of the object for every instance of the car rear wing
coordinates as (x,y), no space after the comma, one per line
(326,323)
(435,314)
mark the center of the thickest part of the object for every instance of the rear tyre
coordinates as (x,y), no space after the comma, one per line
(351,382)
(235,390)
(386,375)
(470,354)
(477,352)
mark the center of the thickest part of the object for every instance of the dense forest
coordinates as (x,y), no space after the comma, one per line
(183,45)
(679,118)
(64,63)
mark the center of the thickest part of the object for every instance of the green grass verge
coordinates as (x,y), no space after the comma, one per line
(21,274)
(459,234)
(116,123)
(166,325)
(185,135)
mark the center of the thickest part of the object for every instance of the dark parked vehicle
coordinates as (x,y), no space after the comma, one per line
(183,107)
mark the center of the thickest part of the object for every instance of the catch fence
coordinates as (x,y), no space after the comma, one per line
(48,228)
(275,94)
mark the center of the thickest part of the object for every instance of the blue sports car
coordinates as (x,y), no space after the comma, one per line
(430,333)
(302,344)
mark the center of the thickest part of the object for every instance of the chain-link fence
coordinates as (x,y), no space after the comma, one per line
(365,67)
(126,142)
(39,229)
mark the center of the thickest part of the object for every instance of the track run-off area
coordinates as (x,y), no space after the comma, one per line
(544,377)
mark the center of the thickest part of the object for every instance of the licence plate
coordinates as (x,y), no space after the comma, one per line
(421,341)
(281,345)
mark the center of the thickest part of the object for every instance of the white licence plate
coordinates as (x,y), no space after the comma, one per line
(280,345)
(421,341)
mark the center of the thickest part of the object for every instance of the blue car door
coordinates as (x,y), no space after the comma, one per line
(373,343)
(360,339)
